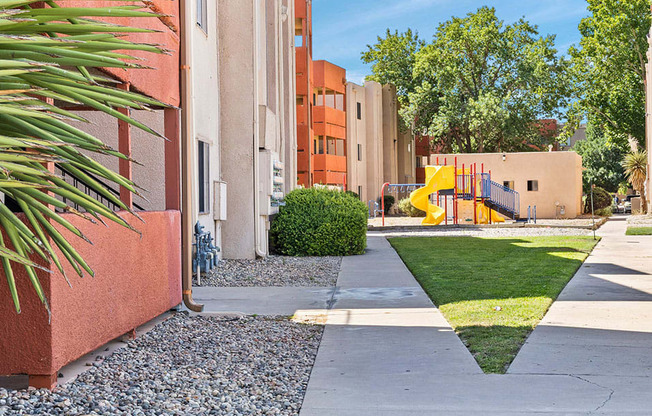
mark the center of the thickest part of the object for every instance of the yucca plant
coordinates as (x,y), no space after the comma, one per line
(49,55)
(635,165)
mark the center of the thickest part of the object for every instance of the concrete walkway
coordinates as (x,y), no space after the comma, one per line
(387,350)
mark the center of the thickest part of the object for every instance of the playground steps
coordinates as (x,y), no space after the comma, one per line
(502,209)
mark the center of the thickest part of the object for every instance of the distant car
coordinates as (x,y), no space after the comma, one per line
(627,207)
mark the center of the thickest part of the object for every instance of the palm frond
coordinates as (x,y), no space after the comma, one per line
(46,54)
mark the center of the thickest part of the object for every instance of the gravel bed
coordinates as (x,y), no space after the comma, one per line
(274,271)
(640,220)
(486,232)
(190,366)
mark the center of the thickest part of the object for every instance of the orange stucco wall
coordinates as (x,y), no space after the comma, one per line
(164,83)
(136,279)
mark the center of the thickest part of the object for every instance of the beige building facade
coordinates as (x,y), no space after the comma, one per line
(551,181)
(243,119)
(257,119)
(377,150)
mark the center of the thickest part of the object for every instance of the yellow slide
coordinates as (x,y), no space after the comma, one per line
(437,177)
(484,212)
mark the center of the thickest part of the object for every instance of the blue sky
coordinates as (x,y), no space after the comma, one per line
(343,28)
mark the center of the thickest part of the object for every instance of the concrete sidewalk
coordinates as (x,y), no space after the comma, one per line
(387,350)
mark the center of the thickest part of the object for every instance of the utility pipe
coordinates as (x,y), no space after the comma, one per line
(256,136)
(187,140)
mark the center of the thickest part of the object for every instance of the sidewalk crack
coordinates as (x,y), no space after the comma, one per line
(611,391)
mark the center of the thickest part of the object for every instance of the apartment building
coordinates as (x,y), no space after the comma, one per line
(378,151)
(321,111)
(258,122)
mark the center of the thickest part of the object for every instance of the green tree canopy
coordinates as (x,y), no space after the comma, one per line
(608,67)
(480,85)
(393,60)
(601,157)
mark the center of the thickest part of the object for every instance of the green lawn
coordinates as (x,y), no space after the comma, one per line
(493,291)
(639,231)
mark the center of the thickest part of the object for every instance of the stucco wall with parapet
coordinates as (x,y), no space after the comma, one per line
(559,176)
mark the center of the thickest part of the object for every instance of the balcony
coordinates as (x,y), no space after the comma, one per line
(330,178)
(329,115)
(330,130)
(331,163)
(301,9)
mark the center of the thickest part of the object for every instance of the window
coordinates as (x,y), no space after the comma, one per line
(532,185)
(359,152)
(508,184)
(359,110)
(360,192)
(298,41)
(314,99)
(203,176)
(319,145)
(202,14)
(300,100)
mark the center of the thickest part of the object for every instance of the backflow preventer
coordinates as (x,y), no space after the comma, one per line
(205,257)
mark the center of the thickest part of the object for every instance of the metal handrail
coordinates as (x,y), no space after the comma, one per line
(501,195)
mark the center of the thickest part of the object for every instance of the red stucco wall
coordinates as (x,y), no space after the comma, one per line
(136,279)
(162,84)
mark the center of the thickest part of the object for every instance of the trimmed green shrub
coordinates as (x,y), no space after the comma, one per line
(389,203)
(604,212)
(320,222)
(353,194)
(406,207)
(601,199)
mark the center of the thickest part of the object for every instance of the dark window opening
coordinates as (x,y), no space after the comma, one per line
(204,174)
(202,14)
(508,184)
(359,152)
(532,185)
(359,111)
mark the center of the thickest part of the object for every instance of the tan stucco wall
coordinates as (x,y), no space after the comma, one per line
(148,150)
(387,153)
(356,134)
(257,114)
(559,176)
(390,134)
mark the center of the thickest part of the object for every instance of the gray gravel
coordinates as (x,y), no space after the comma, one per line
(485,232)
(190,366)
(274,271)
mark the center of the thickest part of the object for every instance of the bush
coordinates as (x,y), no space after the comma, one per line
(604,212)
(601,199)
(389,203)
(353,194)
(406,207)
(320,222)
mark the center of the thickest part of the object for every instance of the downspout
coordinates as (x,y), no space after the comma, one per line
(256,136)
(187,140)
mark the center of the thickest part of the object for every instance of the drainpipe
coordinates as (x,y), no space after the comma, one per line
(256,136)
(187,140)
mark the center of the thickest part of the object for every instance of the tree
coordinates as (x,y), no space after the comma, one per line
(480,85)
(608,67)
(635,165)
(47,54)
(393,61)
(601,157)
